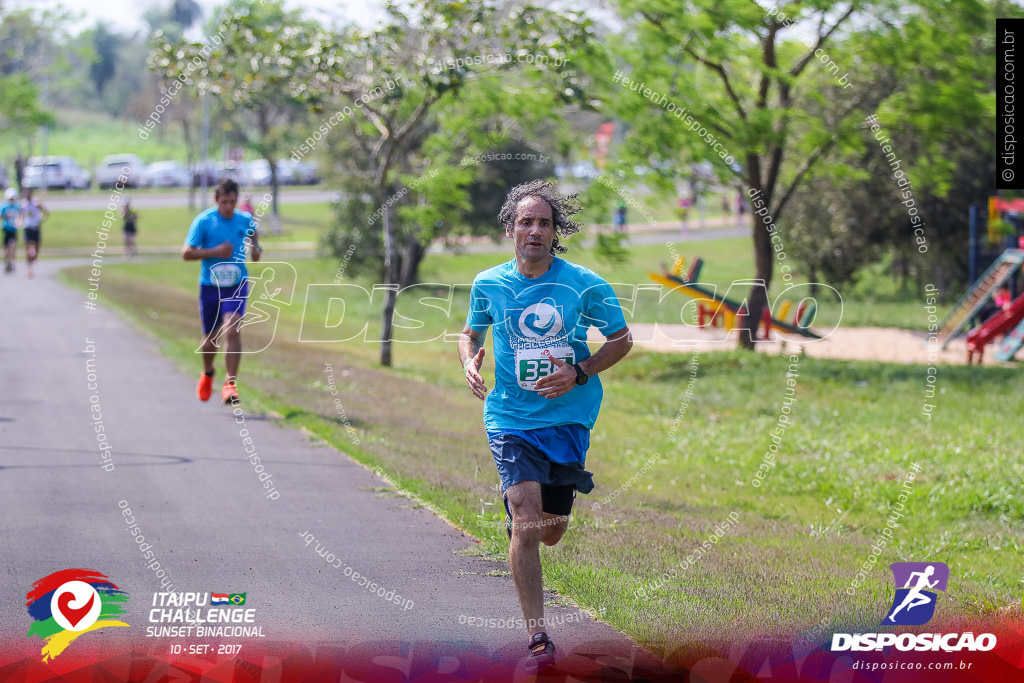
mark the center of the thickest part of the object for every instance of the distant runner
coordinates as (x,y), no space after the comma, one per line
(10,213)
(546,393)
(131,227)
(219,236)
(33,214)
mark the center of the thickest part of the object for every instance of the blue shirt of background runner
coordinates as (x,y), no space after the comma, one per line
(530,315)
(210,229)
(9,211)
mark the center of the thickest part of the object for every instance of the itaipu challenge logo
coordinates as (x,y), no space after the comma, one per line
(70,603)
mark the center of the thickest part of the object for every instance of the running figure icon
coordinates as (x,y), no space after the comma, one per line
(915,597)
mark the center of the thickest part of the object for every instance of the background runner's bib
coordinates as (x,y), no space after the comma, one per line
(225,274)
(532,364)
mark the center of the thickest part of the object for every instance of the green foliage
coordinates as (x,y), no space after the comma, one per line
(20,109)
(608,249)
(104,66)
(423,127)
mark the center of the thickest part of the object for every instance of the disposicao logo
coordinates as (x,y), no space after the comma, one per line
(914,605)
(69,603)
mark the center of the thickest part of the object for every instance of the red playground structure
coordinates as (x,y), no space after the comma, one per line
(1001,323)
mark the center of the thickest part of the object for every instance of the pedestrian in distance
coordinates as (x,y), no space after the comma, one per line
(130,228)
(33,214)
(10,213)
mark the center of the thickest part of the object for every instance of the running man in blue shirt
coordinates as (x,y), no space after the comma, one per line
(10,213)
(546,393)
(220,237)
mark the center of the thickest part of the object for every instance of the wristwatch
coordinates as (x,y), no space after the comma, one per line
(581,377)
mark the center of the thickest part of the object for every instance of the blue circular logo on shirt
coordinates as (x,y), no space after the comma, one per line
(540,320)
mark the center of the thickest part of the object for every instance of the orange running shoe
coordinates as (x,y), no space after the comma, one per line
(205,387)
(229,393)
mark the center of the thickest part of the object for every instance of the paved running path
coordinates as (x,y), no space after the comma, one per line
(180,466)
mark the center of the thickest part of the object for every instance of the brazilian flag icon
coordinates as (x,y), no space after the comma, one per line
(237,598)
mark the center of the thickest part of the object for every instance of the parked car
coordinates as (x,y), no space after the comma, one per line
(111,168)
(228,169)
(167,174)
(308,173)
(258,172)
(44,173)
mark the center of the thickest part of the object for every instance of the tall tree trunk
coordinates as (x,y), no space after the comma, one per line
(391,281)
(412,256)
(747,323)
(275,223)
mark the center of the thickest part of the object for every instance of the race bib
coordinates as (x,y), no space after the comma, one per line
(532,364)
(225,274)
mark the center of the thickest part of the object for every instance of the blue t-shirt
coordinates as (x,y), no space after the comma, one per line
(9,213)
(210,229)
(533,318)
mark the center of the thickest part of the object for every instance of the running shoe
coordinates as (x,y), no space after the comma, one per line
(205,387)
(229,393)
(540,652)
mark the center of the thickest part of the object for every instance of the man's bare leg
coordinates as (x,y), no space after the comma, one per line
(233,345)
(524,551)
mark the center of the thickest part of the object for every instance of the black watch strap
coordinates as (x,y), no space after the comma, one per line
(581,377)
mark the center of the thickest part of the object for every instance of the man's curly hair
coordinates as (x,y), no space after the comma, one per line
(563,208)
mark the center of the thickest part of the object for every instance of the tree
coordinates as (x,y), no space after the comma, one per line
(20,109)
(414,97)
(29,54)
(104,65)
(264,65)
(938,118)
(729,73)
(185,12)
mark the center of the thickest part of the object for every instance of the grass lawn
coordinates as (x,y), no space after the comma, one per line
(168,226)
(88,136)
(675,452)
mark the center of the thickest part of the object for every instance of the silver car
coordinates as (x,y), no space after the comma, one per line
(117,166)
(167,174)
(45,173)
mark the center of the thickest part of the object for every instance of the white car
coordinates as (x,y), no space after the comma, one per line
(44,173)
(113,167)
(258,172)
(167,174)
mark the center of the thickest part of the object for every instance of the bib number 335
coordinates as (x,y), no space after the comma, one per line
(533,364)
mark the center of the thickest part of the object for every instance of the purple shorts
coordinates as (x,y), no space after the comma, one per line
(216,302)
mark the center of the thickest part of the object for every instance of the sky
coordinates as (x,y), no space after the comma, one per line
(126,15)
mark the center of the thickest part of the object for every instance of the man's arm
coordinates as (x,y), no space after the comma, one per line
(471,355)
(616,346)
(256,251)
(190,253)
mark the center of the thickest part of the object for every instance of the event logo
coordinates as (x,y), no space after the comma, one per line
(540,320)
(914,603)
(69,603)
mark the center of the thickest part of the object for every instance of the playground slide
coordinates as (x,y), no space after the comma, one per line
(1000,323)
(699,293)
(1009,347)
(979,293)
